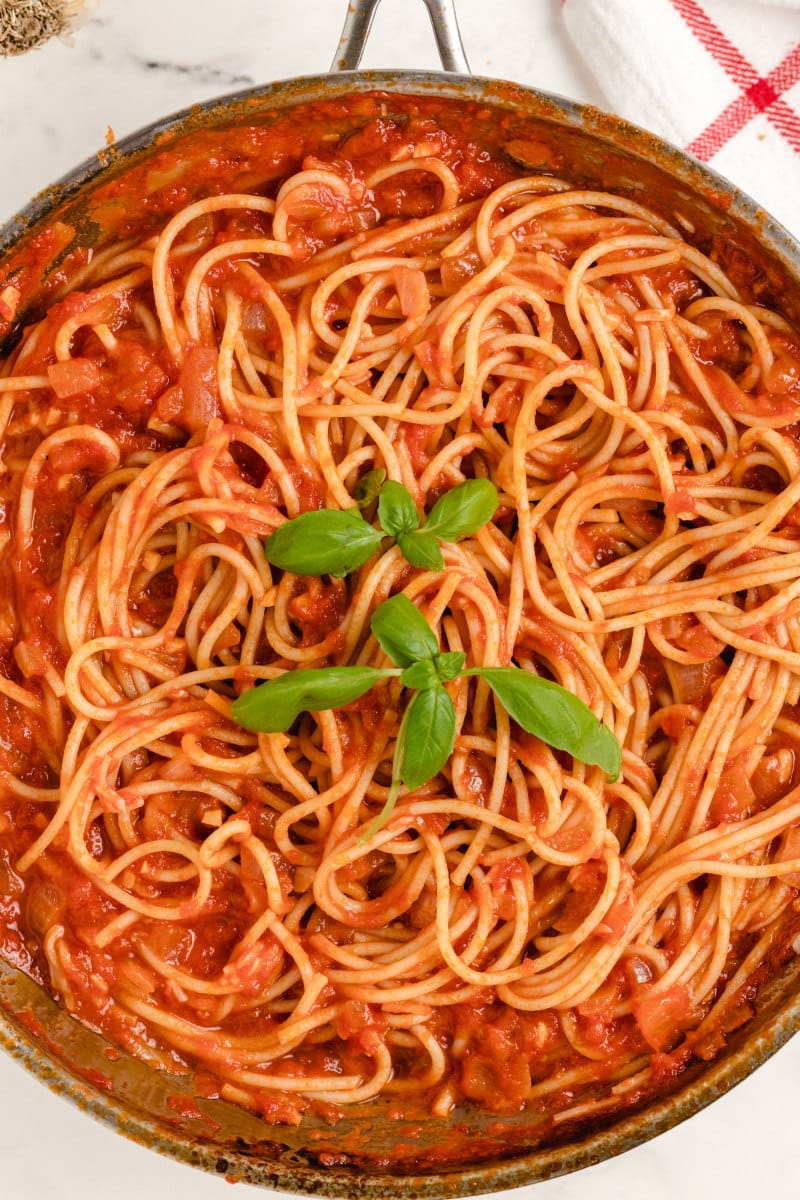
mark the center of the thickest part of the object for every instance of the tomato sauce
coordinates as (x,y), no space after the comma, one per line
(496,1055)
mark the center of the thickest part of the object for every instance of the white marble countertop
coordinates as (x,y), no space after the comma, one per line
(130,63)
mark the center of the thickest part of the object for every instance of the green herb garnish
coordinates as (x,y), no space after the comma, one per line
(331,541)
(426,735)
(369,487)
(338,541)
(274,706)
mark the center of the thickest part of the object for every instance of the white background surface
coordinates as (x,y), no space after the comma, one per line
(133,61)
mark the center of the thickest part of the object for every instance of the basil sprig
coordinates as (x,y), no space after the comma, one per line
(338,541)
(426,735)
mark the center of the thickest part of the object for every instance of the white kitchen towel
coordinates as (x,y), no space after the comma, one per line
(721,78)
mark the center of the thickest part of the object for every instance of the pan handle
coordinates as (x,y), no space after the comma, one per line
(358,23)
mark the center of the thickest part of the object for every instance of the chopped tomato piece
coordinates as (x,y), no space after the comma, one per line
(681,502)
(431,359)
(501,877)
(734,798)
(783,377)
(494,1069)
(415,438)
(140,378)
(257,966)
(662,1015)
(361,1026)
(698,641)
(780,401)
(74,376)
(501,1086)
(676,719)
(195,400)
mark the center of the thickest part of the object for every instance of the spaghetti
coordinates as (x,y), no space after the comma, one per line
(522,931)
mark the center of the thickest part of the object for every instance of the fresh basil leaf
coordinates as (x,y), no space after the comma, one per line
(449,665)
(430,736)
(421,549)
(397,511)
(420,674)
(553,714)
(274,706)
(368,487)
(402,631)
(327,542)
(462,510)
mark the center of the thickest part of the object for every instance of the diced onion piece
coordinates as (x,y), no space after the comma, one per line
(413,293)
(10,297)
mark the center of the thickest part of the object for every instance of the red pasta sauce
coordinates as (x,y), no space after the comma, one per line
(177,410)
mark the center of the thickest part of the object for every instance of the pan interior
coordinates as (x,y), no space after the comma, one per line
(370,1153)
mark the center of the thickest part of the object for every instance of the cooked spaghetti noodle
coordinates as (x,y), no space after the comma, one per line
(522,931)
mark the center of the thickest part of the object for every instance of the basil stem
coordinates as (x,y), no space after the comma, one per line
(398,760)
(424,743)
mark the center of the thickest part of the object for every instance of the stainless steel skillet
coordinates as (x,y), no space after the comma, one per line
(590,147)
